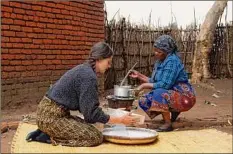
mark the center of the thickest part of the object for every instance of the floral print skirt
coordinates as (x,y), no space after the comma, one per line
(180,98)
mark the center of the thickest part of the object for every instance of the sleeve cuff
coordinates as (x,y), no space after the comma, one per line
(150,80)
(105,118)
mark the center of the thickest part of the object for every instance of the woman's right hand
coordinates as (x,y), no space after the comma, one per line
(134,74)
(127,120)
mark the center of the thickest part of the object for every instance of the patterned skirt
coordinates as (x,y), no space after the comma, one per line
(65,129)
(179,99)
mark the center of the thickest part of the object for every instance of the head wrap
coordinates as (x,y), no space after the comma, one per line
(166,43)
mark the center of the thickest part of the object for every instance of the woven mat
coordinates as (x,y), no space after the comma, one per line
(192,141)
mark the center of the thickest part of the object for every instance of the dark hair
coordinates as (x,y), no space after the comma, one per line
(100,50)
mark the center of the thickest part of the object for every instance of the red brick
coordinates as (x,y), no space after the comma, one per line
(51,36)
(36,7)
(41,25)
(48,31)
(8,68)
(61,36)
(26,6)
(5,62)
(30,18)
(38,30)
(46,9)
(18,45)
(5,39)
(29,12)
(41,57)
(14,74)
(13,15)
(65,12)
(40,14)
(20,56)
(37,62)
(8,56)
(69,18)
(13,51)
(19,16)
(7,21)
(27,40)
(19,22)
(51,56)
(30,57)
(47,41)
(27,29)
(6,14)
(41,67)
(60,67)
(56,10)
(42,36)
(32,35)
(26,62)
(25,17)
(51,67)
(15,4)
(60,6)
(41,19)
(15,28)
(56,42)
(7,9)
(50,15)
(27,74)
(47,62)
(20,68)
(4,50)
(5,75)
(37,41)
(26,51)
(31,24)
(64,42)
(51,26)
(15,39)
(15,62)
(8,33)
(73,13)
(31,68)
(56,31)
(5,3)
(20,11)
(69,62)
(60,16)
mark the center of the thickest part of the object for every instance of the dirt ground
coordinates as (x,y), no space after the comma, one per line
(209,112)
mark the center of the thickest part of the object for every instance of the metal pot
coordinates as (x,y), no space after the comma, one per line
(122,91)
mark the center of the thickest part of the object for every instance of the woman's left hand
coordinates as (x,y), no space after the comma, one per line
(145,86)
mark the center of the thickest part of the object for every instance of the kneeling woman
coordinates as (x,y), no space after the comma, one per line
(171,90)
(76,90)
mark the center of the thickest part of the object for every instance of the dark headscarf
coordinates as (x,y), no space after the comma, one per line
(166,43)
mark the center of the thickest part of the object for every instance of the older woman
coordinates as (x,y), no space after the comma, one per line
(171,90)
(76,90)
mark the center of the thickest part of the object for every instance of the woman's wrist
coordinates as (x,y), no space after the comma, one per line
(115,120)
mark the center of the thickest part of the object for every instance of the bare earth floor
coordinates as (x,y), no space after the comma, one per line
(202,115)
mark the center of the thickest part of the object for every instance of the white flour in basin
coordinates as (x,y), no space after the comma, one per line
(129,133)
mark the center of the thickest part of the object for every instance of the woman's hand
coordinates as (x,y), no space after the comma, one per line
(145,86)
(134,74)
(127,120)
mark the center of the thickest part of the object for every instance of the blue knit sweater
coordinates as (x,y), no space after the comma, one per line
(77,90)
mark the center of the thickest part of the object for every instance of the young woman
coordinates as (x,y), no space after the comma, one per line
(171,90)
(76,90)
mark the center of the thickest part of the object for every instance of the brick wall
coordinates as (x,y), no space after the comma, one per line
(42,40)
